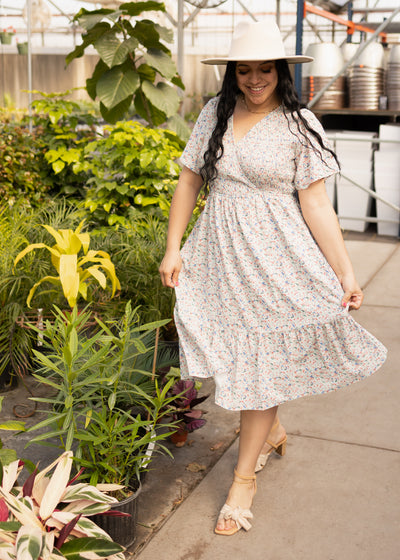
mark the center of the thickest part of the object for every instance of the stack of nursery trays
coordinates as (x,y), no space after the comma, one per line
(387,178)
(355,156)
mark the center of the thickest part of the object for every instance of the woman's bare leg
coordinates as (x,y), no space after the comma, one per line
(276,435)
(255,425)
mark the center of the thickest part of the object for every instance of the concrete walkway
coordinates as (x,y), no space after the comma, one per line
(336,493)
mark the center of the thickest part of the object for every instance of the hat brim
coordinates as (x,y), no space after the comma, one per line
(295,59)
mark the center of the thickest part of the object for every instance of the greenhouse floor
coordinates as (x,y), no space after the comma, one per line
(333,496)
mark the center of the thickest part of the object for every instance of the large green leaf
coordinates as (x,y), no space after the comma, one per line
(88,39)
(116,113)
(178,125)
(162,62)
(112,50)
(12,425)
(166,34)
(102,547)
(146,33)
(176,80)
(116,85)
(7,456)
(146,72)
(156,117)
(91,83)
(89,18)
(162,96)
(136,8)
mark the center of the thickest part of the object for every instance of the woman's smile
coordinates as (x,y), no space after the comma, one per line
(257,81)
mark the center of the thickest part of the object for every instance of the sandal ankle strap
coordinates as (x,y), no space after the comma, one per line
(244,479)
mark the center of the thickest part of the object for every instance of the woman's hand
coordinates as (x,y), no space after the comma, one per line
(352,292)
(170,268)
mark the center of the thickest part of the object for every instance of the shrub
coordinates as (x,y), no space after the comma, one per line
(132,165)
(22,177)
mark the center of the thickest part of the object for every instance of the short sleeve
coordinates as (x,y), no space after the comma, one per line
(312,163)
(192,156)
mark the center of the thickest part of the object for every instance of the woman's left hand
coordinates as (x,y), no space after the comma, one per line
(352,292)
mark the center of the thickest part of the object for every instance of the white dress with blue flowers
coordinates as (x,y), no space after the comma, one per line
(258,306)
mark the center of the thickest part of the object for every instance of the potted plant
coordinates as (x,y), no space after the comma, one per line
(49,516)
(188,419)
(105,405)
(6,35)
(22,47)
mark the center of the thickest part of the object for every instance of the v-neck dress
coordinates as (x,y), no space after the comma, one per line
(258,306)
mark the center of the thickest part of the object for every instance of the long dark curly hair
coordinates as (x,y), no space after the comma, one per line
(226,105)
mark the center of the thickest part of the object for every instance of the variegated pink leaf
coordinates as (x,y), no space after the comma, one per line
(28,486)
(86,507)
(10,473)
(109,487)
(39,489)
(59,519)
(7,537)
(66,531)
(7,551)
(90,529)
(48,545)
(21,509)
(4,513)
(56,486)
(29,543)
(43,473)
(84,491)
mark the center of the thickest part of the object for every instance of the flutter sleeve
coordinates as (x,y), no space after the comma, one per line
(312,162)
(192,156)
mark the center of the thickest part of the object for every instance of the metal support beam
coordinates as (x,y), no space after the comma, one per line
(314,28)
(29,25)
(246,9)
(349,38)
(363,46)
(180,38)
(299,45)
(333,17)
(278,13)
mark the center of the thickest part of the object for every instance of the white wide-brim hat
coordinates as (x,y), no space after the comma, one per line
(260,40)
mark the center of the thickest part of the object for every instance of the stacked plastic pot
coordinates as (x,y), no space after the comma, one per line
(328,61)
(366,79)
(393,79)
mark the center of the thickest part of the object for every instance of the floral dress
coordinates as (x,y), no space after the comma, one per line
(258,306)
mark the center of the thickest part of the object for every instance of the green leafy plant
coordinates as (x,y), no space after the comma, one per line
(94,376)
(135,64)
(75,272)
(48,518)
(22,178)
(137,250)
(62,128)
(131,166)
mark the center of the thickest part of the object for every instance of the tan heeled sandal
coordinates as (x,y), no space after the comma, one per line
(279,448)
(238,514)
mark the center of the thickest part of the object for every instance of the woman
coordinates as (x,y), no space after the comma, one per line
(264,282)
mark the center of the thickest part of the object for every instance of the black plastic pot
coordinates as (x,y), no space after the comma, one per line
(122,530)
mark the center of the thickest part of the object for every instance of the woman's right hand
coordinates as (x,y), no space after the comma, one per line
(170,268)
